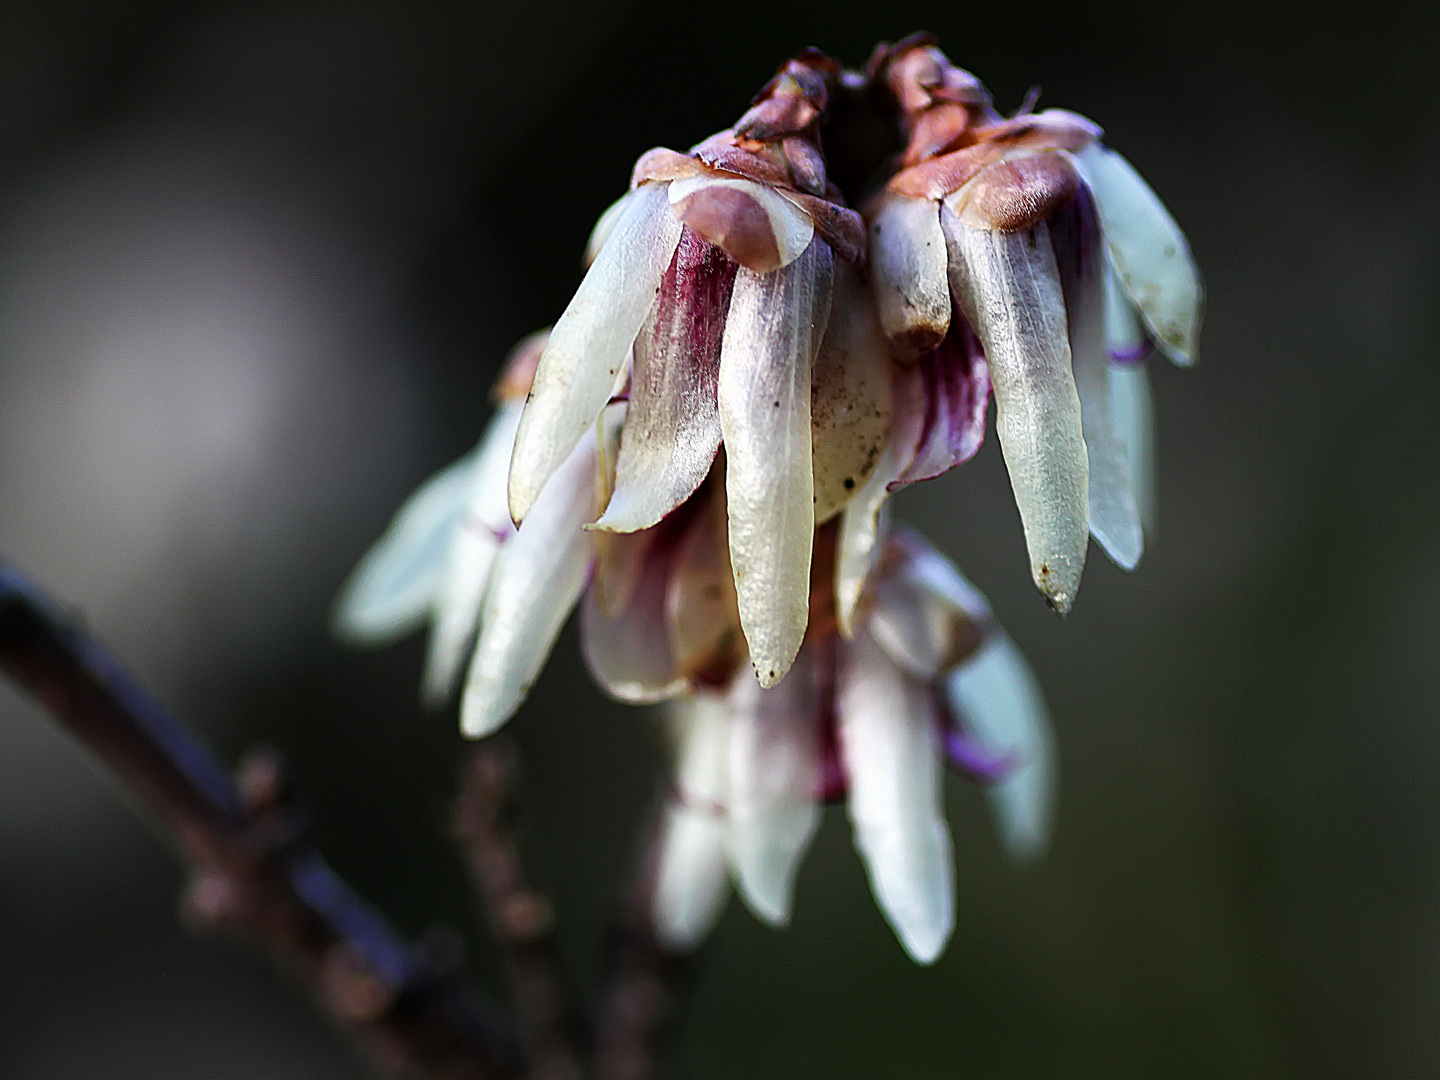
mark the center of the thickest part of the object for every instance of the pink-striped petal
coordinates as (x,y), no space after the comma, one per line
(774,329)
(957,398)
(672,430)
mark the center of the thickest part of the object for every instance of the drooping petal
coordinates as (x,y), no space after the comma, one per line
(588,346)
(1004,709)
(700,604)
(861,524)
(753,224)
(604,226)
(1114,520)
(535,582)
(1150,252)
(774,787)
(921,627)
(957,397)
(691,883)
(619,560)
(889,738)
(775,326)
(672,430)
(629,653)
(477,539)
(907,273)
(393,588)
(1009,288)
(935,573)
(1123,329)
(850,397)
(1135,421)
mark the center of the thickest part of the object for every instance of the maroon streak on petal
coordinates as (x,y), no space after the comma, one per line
(672,430)
(957,393)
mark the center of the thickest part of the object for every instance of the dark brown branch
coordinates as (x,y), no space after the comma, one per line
(645,983)
(521,919)
(253,871)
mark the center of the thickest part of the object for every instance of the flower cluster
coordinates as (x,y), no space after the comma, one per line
(708,436)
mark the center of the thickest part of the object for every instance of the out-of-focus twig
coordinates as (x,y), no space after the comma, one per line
(644,984)
(521,918)
(252,869)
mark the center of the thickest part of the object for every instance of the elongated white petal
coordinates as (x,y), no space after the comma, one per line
(753,224)
(476,541)
(1114,520)
(1150,252)
(672,430)
(922,631)
(604,226)
(861,524)
(850,399)
(774,788)
(619,560)
(535,582)
(691,883)
(457,608)
(892,755)
(907,273)
(629,653)
(1135,421)
(1123,329)
(1004,709)
(931,570)
(589,344)
(774,329)
(1009,287)
(392,589)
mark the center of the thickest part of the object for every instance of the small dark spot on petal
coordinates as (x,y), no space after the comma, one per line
(849,483)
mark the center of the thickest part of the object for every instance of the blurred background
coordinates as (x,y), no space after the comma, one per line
(258,265)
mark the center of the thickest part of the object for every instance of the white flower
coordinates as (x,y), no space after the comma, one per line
(1029,243)
(712,288)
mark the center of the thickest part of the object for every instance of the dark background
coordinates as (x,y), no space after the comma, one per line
(257,267)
